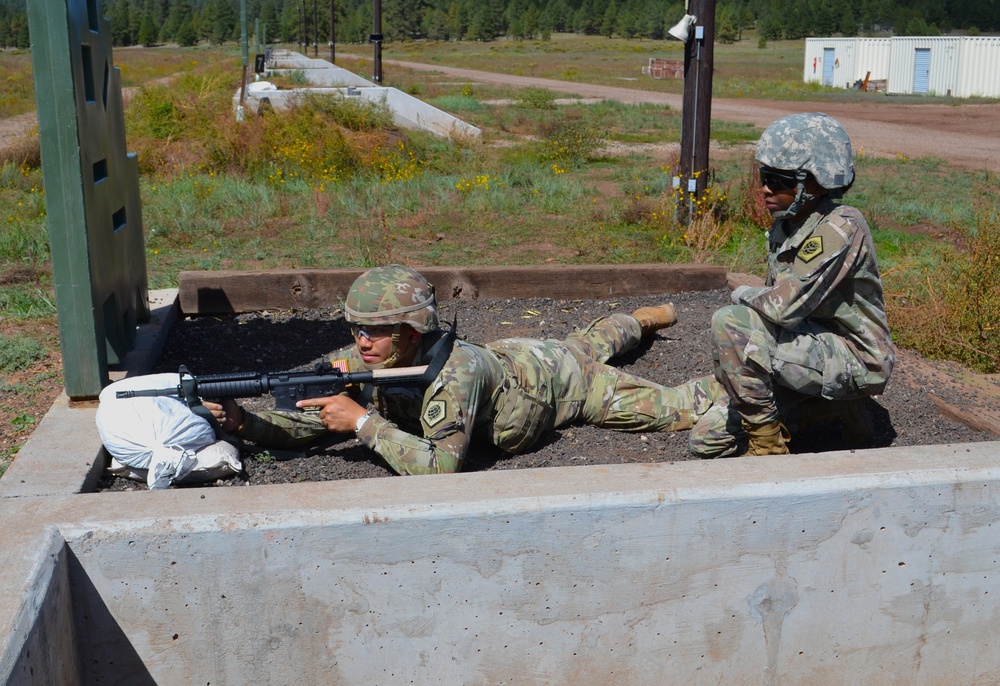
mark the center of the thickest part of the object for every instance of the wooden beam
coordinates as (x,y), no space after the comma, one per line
(220,292)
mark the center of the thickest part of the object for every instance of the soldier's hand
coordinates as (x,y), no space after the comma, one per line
(339,413)
(229,414)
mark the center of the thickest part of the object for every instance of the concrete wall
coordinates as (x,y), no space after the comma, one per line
(408,112)
(328,79)
(873,567)
(867,567)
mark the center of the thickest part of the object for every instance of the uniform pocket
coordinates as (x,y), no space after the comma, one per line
(520,419)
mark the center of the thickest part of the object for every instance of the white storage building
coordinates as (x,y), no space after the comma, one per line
(960,66)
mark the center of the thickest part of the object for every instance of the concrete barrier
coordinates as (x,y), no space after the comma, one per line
(872,567)
(862,567)
(330,80)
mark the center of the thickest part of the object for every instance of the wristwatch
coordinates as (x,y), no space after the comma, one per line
(361,421)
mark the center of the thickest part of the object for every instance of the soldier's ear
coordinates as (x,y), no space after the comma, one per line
(411,334)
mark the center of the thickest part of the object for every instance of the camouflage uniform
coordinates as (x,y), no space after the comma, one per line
(818,327)
(507,393)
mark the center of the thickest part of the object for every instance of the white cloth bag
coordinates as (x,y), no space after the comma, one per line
(160,440)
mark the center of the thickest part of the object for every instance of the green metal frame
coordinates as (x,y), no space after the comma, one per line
(91,190)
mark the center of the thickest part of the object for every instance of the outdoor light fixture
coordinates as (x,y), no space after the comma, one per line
(682,29)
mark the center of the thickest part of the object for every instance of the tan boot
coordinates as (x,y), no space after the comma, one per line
(655,318)
(853,416)
(768,439)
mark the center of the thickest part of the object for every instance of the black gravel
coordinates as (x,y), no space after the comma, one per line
(272,341)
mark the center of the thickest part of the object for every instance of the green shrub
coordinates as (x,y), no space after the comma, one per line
(537,98)
(154,113)
(18,353)
(571,142)
(354,113)
(457,103)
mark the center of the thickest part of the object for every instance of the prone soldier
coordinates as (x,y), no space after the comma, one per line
(507,393)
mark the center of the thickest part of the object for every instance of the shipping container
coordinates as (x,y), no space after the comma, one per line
(924,65)
(830,61)
(959,66)
(979,68)
(872,59)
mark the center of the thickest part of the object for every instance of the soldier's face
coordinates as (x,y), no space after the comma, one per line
(778,201)
(780,198)
(376,349)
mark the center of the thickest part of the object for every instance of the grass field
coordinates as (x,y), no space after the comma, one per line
(330,186)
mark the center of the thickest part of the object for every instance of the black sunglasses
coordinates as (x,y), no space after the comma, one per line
(777,180)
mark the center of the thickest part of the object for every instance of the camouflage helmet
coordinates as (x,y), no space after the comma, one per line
(392,295)
(811,141)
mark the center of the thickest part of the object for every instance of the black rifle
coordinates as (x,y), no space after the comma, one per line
(286,387)
(290,387)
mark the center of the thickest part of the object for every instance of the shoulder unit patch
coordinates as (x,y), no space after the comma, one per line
(435,412)
(813,247)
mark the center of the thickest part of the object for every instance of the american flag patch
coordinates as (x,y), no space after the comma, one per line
(340,365)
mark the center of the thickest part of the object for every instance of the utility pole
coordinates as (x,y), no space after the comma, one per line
(305,33)
(696,111)
(333,34)
(376,39)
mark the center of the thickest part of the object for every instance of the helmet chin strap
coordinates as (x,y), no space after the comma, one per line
(801,197)
(394,356)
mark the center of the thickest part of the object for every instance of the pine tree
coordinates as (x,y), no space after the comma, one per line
(848,25)
(148,31)
(609,20)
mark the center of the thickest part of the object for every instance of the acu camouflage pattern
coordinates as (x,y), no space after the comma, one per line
(507,393)
(392,295)
(812,141)
(816,329)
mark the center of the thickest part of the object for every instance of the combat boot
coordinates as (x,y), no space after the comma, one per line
(768,439)
(655,318)
(852,415)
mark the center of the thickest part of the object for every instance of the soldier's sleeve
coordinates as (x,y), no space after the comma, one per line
(276,429)
(448,416)
(815,272)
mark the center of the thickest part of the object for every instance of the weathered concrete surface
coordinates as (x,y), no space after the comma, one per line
(867,568)
(328,79)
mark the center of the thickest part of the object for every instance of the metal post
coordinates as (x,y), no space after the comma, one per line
(315,31)
(333,33)
(696,114)
(243,33)
(256,34)
(376,40)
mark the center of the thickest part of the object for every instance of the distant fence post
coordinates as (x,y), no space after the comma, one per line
(91,190)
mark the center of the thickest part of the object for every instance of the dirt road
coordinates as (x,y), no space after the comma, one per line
(964,135)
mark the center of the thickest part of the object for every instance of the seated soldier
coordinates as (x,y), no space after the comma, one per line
(812,342)
(507,393)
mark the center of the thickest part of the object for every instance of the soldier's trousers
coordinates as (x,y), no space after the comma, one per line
(617,400)
(767,371)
